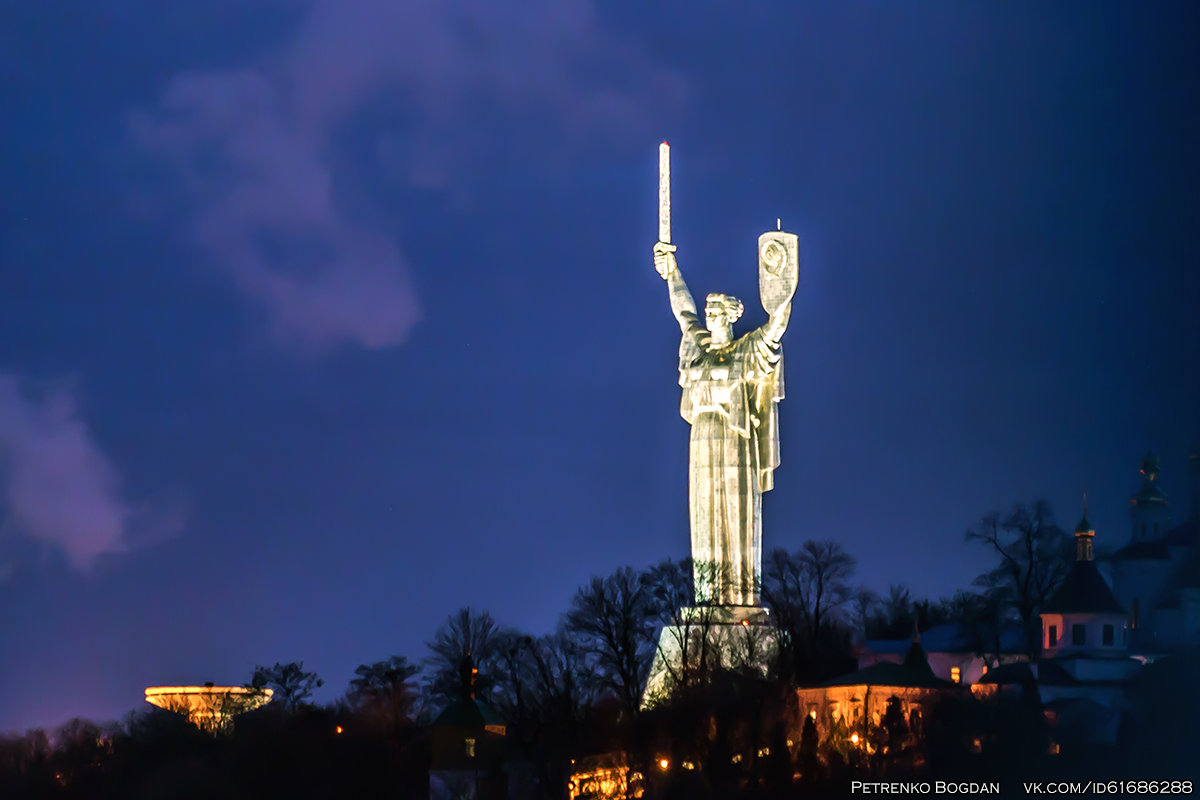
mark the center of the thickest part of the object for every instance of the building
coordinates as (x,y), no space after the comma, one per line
(1156,576)
(1086,663)
(957,652)
(210,708)
(854,704)
(469,752)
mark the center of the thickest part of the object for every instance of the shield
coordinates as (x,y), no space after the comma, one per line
(778,268)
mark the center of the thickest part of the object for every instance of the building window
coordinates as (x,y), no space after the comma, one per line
(956,674)
(470,748)
(1052,636)
(1078,633)
(1107,633)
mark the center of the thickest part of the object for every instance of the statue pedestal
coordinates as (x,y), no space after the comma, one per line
(705,639)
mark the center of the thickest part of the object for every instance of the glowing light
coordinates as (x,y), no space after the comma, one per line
(210,708)
(688,765)
(854,738)
(338,729)
(812,715)
(956,674)
(663,763)
(746,623)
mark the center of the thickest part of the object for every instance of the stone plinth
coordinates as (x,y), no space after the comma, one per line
(705,639)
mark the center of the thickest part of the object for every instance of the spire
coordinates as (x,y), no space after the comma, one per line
(1150,466)
(1084,534)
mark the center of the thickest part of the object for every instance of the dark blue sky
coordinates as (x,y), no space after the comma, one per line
(319,321)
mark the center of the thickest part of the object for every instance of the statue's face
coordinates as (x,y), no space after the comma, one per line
(716,317)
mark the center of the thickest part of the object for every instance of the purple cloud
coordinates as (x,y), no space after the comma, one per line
(255,146)
(56,486)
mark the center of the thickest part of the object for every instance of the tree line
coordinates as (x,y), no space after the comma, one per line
(575,691)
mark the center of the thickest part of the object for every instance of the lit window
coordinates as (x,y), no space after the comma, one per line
(1078,634)
(1108,636)
(470,743)
(956,674)
(985,669)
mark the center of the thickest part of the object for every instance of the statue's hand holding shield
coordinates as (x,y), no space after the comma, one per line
(778,268)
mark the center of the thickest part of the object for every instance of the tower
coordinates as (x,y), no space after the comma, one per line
(1083,616)
(1148,509)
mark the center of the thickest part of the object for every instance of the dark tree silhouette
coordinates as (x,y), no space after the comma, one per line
(465,636)
(384,690)
(807,591)
(291,684)
(611,620)
(1034,555)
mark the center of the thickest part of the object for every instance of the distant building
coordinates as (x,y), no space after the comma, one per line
(469,751)
(857,702)
(1156,576)
(210,708)
(1085,664)
(957,652)
(604,777)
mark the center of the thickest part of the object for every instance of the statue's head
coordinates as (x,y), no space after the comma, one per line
(721,311)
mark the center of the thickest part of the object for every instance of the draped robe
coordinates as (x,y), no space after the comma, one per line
(730,397)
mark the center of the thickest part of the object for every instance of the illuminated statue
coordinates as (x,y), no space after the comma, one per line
(731,388)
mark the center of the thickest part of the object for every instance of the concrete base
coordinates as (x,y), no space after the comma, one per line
(706,639)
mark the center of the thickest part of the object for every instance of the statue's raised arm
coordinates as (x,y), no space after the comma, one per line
(682,304)
(778,273)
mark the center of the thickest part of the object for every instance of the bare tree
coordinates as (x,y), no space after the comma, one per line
(292,686)
(826,568)
(1034,556)
(464,656)
(806,591)
(611,620)
(864,607)
(690,652)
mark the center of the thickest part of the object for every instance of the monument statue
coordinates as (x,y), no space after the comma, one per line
(731,388)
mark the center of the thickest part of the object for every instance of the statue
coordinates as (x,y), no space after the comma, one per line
(731,388)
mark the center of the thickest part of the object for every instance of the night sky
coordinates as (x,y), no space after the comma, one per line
(321,320)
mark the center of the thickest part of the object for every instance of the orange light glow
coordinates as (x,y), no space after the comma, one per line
(663,763)
(854,738)
(338,729)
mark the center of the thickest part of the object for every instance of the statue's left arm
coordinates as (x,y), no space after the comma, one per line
(777,323)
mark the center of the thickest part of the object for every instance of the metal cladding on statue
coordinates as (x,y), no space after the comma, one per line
(731,388)
(664,192)
(778,268)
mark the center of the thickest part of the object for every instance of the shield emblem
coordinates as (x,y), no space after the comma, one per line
(778,268)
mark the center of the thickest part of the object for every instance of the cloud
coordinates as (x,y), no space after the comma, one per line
(257,149)
(56,486)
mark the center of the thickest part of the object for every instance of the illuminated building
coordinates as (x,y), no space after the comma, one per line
(604,777)
(1085,660)
(857,702)
(208,707)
